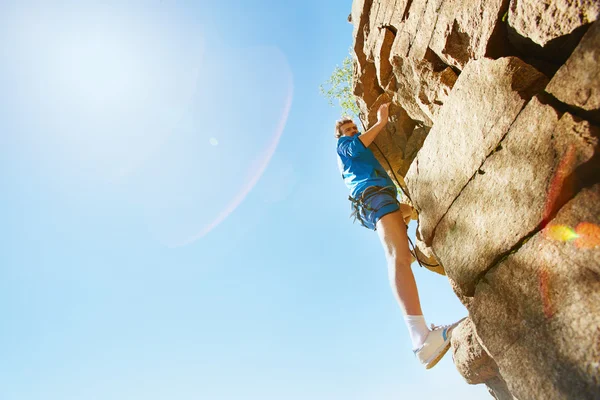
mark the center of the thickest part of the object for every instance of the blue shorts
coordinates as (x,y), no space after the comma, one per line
(373,204)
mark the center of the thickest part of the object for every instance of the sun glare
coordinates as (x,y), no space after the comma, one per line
(107,84)
(134,99)
(102,69)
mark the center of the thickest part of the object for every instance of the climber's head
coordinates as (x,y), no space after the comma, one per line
(345,127)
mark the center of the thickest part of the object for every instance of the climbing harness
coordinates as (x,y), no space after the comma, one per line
(364,204)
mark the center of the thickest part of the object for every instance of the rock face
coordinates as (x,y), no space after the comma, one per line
(545,20)
(578,81)
(494,134)
(550,28)
(502,88)
(512,193)
(550,342)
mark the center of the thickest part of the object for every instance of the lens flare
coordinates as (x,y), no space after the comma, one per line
(139,100)
(191,184)
(103,86)
(588,235)
(585,236)
(557,185)
(560,233)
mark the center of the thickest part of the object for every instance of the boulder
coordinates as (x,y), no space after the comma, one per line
(467,30)
(546,32)
(577,82)
(486,99)
(538,312)
(545,21)
(471,359)
(516,191)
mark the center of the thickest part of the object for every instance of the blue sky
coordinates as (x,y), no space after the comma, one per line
(175,226)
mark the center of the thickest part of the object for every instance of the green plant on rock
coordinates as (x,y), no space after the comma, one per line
(339,88)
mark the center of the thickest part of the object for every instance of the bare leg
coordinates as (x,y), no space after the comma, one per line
(392,233)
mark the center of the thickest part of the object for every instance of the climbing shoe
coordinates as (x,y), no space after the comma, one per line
(436,345)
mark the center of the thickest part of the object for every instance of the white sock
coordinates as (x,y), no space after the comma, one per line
(417,328)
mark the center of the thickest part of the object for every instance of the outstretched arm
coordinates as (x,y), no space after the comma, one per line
(382,119)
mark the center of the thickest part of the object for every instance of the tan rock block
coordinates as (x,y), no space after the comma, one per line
(545,20)
(414,142)
(557,359)
(420,84)
(470,358)
(465,300)
(366,85)
(466,131)
(412,21)
(434,85)
(384,14)
(390,144)
(422,87)
(360,13)
(382,57)
(407,74)
(372,32)
(498,389)
(568,232)
(427,23)
(520,186)
(538,314)
(577,82)
(465,30)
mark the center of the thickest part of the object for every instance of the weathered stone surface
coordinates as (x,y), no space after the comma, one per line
(449,157)
(425,250)
(384,14)
(518,187)
(422,87)
(376,36)
(434,86)
(566,231)
(546,32)
(414,142)
(427,16)
(457,30)
(475,364)
(412,21)
(392,141)
(429,38)
(545,20)
(577,82)
(361,10)
(470,358)
(421,81)
(498,389)
(366,85)
(466,300)
(491,172)
(382,57)
(467,30)
(538,313)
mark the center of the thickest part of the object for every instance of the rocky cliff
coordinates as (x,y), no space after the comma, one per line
(493,133)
